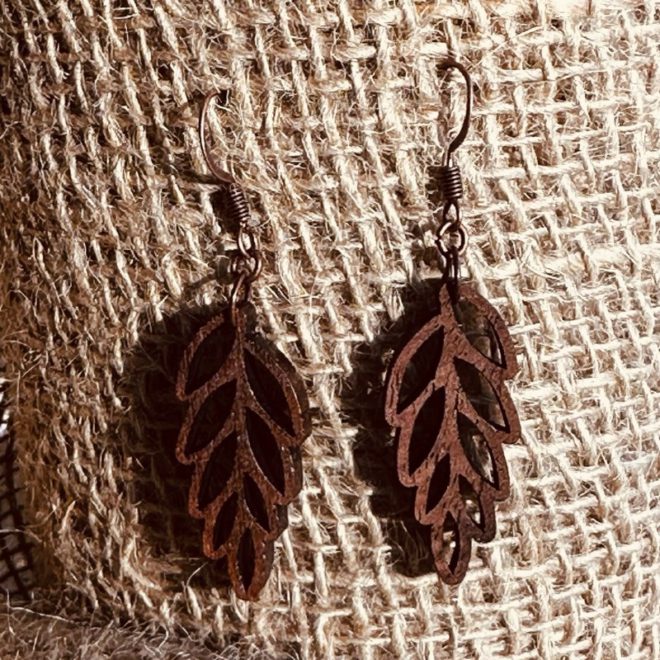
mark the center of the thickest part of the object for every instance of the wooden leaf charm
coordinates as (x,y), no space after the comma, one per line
(446,396)
(247,416)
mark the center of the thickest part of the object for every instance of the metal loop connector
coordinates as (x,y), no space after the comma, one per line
(452,236)
(240,294)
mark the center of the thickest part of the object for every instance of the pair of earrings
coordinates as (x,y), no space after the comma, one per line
(247,410)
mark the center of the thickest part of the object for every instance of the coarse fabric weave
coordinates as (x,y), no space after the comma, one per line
(113,246)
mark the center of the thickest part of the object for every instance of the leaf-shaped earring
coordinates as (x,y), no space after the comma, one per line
(247,414)
(447,399)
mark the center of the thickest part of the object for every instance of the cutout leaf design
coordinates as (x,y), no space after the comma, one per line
(451,432)
(246,418)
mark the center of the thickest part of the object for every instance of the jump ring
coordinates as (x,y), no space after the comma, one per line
(240,293)
(458,232)
(248,243)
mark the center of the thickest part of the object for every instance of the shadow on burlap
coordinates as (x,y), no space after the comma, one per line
(374,447)
(333,130)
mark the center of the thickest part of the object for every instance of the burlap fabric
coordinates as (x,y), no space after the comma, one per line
(111,242)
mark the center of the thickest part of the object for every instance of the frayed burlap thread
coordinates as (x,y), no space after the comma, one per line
(109,234)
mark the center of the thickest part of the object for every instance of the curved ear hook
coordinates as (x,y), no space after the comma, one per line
(218,172)
(460,138)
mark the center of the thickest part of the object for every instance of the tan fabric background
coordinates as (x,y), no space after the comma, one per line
(107,235)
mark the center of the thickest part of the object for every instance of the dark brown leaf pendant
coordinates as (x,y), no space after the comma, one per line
(246,418)
(447,398)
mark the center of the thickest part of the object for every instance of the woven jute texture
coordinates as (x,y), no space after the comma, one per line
(113,247)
